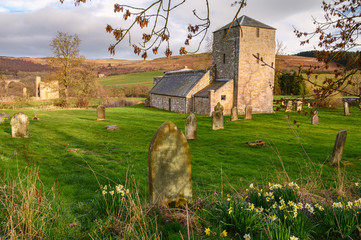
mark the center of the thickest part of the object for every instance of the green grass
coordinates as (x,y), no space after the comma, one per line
(68,145)
(132,79)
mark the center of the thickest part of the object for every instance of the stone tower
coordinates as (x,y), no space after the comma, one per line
(234,55)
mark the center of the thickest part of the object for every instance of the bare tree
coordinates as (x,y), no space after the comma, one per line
(65,61)
(280,47)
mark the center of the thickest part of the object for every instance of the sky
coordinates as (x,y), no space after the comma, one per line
(27,27)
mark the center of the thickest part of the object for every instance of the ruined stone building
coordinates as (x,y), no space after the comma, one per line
(237,76)
(46,90)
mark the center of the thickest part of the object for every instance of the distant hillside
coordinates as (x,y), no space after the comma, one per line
(12,65)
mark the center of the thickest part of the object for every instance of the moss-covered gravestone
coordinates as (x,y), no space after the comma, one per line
(289,106)
(19,125)
(217,117)
(169,167)
(338,148)
(299,106)
(101,113)
(346,109)
(190,129)
(248,113)
(234,114)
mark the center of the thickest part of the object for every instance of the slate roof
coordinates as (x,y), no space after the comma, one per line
(246,21)
(177,83)
(215,85)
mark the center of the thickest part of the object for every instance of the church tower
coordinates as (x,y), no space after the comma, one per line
(237,55)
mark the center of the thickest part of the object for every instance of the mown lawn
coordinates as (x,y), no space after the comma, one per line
(68,145)
(131,79)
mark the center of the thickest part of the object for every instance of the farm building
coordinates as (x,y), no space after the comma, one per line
(237,76)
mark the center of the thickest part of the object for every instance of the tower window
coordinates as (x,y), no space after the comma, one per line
(223,97)
(257,32)
(224,58)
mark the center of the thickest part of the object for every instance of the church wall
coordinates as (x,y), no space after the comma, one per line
(227,92)
(177,104)
(202,106)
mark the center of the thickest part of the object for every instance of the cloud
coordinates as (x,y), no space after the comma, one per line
(27,27)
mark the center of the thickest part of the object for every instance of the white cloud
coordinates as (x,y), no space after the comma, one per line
(27,27)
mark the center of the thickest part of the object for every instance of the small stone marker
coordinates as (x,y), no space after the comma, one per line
(283,104)
(19,125)
(234,114)
(169,167)
(248,112)
(299,105)
(190,128)
(25,92)
(101,113)
(346,109)
(289,106)
(217,117)
(112,128)
(308,105)
(315,118)
(338,148)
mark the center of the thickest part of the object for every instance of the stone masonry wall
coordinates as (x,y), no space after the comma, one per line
(162,102)
(201,105)
(227,91)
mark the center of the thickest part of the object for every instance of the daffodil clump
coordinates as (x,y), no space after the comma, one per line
(112,199)
(278,212)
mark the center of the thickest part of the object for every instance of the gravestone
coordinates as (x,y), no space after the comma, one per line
(338,148)
(346,109)
(190,128)
(308,105)
(248,113)
(112,128)
(289,106)
(283,104)
(299,105)
(101,113)
(169,167)
(315,118)
(25,92)
(217,117)
(234,114)
(19,125)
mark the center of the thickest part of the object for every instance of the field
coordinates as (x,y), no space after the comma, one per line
(131,79)
(77,155)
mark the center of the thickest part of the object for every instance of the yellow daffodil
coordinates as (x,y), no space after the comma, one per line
(207,231)
(224,233)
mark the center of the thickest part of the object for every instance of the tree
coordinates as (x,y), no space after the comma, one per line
(66,61)
(155,18)
(280,47)
(85,84)
(337,34)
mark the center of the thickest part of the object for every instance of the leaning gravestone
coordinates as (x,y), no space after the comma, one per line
(19,125)
(289,106)
(346,109)
(217,117)
(234,114)
(338,148)
(315,118)
(248,113)
(169,167)
(190,129)
(101,113)
(299,106)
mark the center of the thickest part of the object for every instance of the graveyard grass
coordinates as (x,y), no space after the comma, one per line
(75,157)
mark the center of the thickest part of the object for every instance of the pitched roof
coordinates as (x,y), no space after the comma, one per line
(215,85)
(246,21)
(177,83)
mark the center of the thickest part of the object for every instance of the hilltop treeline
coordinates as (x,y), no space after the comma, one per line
(12,67)
(343,59)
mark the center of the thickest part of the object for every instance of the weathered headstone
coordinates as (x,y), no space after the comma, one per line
(190,129)
(308,105)
(315,118)
(19,125)
(217,117)
(338,148)
(234,114)
(346,109)
(299,105)
(248,113)
(169,167)
(112,128)
(25,92)
(289,106)
(283,104)
(101,113)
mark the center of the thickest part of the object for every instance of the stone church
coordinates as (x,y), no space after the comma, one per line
(237,76)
